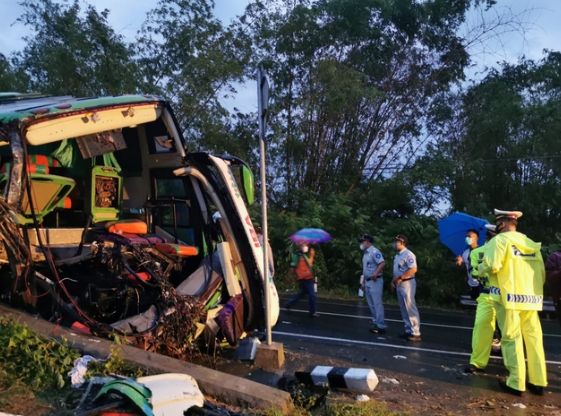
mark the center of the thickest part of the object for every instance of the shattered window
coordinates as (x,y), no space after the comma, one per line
(173,187)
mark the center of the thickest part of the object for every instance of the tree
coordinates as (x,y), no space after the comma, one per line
(10,79)
(500,143)
(353,82)
(73,50)
(188,56)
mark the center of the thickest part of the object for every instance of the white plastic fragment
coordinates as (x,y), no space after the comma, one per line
(173,393)
(400,357)
(78,372)
(520,405)
(389,380)
(362,398)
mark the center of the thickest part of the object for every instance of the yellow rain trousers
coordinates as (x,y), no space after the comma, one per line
(518,326)
(514,262)
(485,316)
(483,330)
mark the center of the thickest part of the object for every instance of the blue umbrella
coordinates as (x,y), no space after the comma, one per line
(311,235)
(453,230)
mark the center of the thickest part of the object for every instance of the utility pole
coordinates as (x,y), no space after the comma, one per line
(263,105)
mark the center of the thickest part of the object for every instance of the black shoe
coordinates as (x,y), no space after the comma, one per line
(506,388)
(314,315)
(471,369)
(535,389)
(414,338)
(287,307)
(377,331)
(404,335)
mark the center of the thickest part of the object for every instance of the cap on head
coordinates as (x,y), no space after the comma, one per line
(507,215)
(402,238)
(366,237)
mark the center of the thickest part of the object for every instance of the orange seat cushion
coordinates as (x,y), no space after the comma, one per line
(127,227)
(178,250)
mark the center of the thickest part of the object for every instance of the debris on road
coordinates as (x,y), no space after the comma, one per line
(519,405)
(389,380)
(164,394)
(400,357)
(247,349)
(78,373)
(362,398)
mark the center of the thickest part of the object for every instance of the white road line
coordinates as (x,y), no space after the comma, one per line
(368,318)
(381,344)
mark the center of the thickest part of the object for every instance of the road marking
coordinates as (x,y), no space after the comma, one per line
(381,344)
(344,315)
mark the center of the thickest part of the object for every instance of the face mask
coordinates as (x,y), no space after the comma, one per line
(304,249)
(469,241)
(362,246)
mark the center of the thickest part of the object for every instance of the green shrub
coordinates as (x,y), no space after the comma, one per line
(338,263)
(38,362)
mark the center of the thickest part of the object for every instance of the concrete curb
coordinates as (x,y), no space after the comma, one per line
(221,386)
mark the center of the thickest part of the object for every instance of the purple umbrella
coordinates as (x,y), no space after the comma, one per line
(311,235)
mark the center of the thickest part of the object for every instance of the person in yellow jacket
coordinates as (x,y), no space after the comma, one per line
(516,278)
(485,313)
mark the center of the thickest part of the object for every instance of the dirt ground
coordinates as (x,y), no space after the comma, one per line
(416,395)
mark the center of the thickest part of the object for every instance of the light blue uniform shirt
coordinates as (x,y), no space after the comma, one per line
(371,259)
(403,261)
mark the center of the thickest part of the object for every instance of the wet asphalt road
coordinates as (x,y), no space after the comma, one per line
(341,332)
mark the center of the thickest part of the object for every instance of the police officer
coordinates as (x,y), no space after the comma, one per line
(485,313)
(404,269)
(373,282)
(517,276)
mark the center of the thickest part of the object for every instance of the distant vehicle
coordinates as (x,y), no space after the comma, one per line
(107,222)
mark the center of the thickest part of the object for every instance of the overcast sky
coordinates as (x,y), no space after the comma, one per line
(543,31)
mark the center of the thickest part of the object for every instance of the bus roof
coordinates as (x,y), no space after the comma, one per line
(16,107)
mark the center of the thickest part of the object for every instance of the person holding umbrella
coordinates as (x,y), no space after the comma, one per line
(482,338)
(372,282)
(302,262)
(301,265)
(472,237)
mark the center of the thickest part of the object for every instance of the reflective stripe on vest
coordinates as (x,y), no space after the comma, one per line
(524,298)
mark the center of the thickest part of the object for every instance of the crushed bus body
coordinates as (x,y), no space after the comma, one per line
(108,224)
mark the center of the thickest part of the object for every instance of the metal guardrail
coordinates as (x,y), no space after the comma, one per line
(466,300)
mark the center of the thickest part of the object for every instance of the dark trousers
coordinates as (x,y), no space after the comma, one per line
(306,288)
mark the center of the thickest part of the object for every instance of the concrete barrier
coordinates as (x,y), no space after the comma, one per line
(360,380)
(223,387)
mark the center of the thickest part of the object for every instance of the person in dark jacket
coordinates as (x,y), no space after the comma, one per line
(553,279)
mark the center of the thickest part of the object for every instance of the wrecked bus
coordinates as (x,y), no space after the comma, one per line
(109,225)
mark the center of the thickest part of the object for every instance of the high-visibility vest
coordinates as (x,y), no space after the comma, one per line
(475,258)
(515,265)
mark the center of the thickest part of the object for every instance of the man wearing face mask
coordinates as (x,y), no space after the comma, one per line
(485,315)
(471,240)
(404,269)
(301,264)
(373,282)
(516,278)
